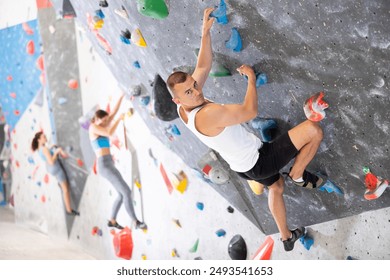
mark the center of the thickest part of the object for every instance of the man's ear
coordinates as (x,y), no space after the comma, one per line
(176,100)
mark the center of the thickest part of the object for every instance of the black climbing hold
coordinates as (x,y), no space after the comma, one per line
(237,248)
(103,4)
(68,10)
(126,33)
(230,209)
(164,107)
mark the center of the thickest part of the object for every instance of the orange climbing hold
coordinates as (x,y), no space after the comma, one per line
(123,244)
(265,250)
(30,47)
(39,63)
(73,84)
(27,28)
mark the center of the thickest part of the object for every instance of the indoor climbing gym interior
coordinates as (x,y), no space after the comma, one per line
(102,158)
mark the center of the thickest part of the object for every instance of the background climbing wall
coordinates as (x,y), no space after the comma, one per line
(340,48)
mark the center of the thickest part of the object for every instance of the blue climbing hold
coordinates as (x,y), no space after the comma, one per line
(145,100)
(306,241)
(220,232)
(175,130)
(125,40)
(330,187)
(261,79)
(39,183)
(62,100)
(136,64)
(235,42)
(99,13)
(30,160)
(220,13)
(200,206)
(264,127)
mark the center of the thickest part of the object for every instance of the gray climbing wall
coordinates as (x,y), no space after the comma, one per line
(61,65)
(339,47)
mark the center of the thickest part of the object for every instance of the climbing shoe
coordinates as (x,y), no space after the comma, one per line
(115,225)
(73,213)
(296,234)
(310,180)
(140,225)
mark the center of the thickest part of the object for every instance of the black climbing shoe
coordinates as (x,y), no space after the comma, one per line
(73,213)
(140,225)
(115,225)
(310,181)
(296,234)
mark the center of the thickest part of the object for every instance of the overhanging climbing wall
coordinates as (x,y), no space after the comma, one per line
(339,47)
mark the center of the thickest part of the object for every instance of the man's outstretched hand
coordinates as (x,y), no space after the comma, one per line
(207,21)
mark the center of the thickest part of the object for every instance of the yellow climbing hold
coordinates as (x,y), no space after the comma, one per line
(143,257)
(256,187)
(130,112)
(176,222)
(179,181)
(137,183)
(138,39)
(174,253)
(97,22)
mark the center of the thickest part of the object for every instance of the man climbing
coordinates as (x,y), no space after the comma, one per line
(219,127)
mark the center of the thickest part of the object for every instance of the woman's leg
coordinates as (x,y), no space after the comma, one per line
(66,194)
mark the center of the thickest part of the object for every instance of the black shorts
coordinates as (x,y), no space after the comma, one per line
(272,157)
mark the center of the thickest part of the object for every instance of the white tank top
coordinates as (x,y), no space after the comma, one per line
(235,144)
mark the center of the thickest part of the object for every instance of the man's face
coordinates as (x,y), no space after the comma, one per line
(188,93)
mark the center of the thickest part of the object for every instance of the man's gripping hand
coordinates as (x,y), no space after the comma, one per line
(207,21)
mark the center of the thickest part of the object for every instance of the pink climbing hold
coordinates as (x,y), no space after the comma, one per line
(9,78)
(27,28)
(73,84)
(16,112)
(42,78)
(80,162)
(314,107)
(43,199)
(39,63)
(30,48)
(13,95)
(46,179)
(17,164)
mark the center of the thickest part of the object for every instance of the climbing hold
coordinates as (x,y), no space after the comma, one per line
(79,162)
(261,79)
(104,43)
(235,42)
(179,181)
(68,11)
(123,244)
(176,222)
(375,186)
(314,107)
(103,4)
(30,47)
(220,13)
(143,257)
(174,253)
(30,160)
(220,232)
(125,40)
(215,174)
(97,22)
(43,198)
(27,28)
(195,246)
(100,232)
(265,128)
(166,179)
(94,230)
(46,179)
(39,184)
(73,84)
(153,8)
(12,95)
(328,186)
(164,108)
(265,250)
(39,63)
(9,78)
(218,70)
(200,206)
(125,36)
(145,100)
(307,241)
(16,112)
(122,12)
(174,130)
(62,100)
(99,13)
(230,209)
(136,64)
(52,29)
(138,39)
(256,187)
(237,248)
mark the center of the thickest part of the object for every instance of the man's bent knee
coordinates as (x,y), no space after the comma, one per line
(315,131)
(277,187)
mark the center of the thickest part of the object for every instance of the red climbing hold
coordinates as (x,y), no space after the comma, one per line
(104,43)
(73,84)
(17,164)
(9,78)
(42,78)
(371,181)
(17,112)
(43,198)
(30,48)
(314,107)
(94,169)
(94,230)
(46,179)
(39,63)
(15,146)
(265,250)
(80,162)
(27,28)
(13,95)
(44,4)
(123,244)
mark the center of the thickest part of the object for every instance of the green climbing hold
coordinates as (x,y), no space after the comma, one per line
(366,170)
(218,70)
(195,247)
(153,8)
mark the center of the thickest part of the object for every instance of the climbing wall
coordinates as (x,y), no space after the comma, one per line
(341,48)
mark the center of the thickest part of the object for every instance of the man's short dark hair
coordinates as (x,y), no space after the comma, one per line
(176,78)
